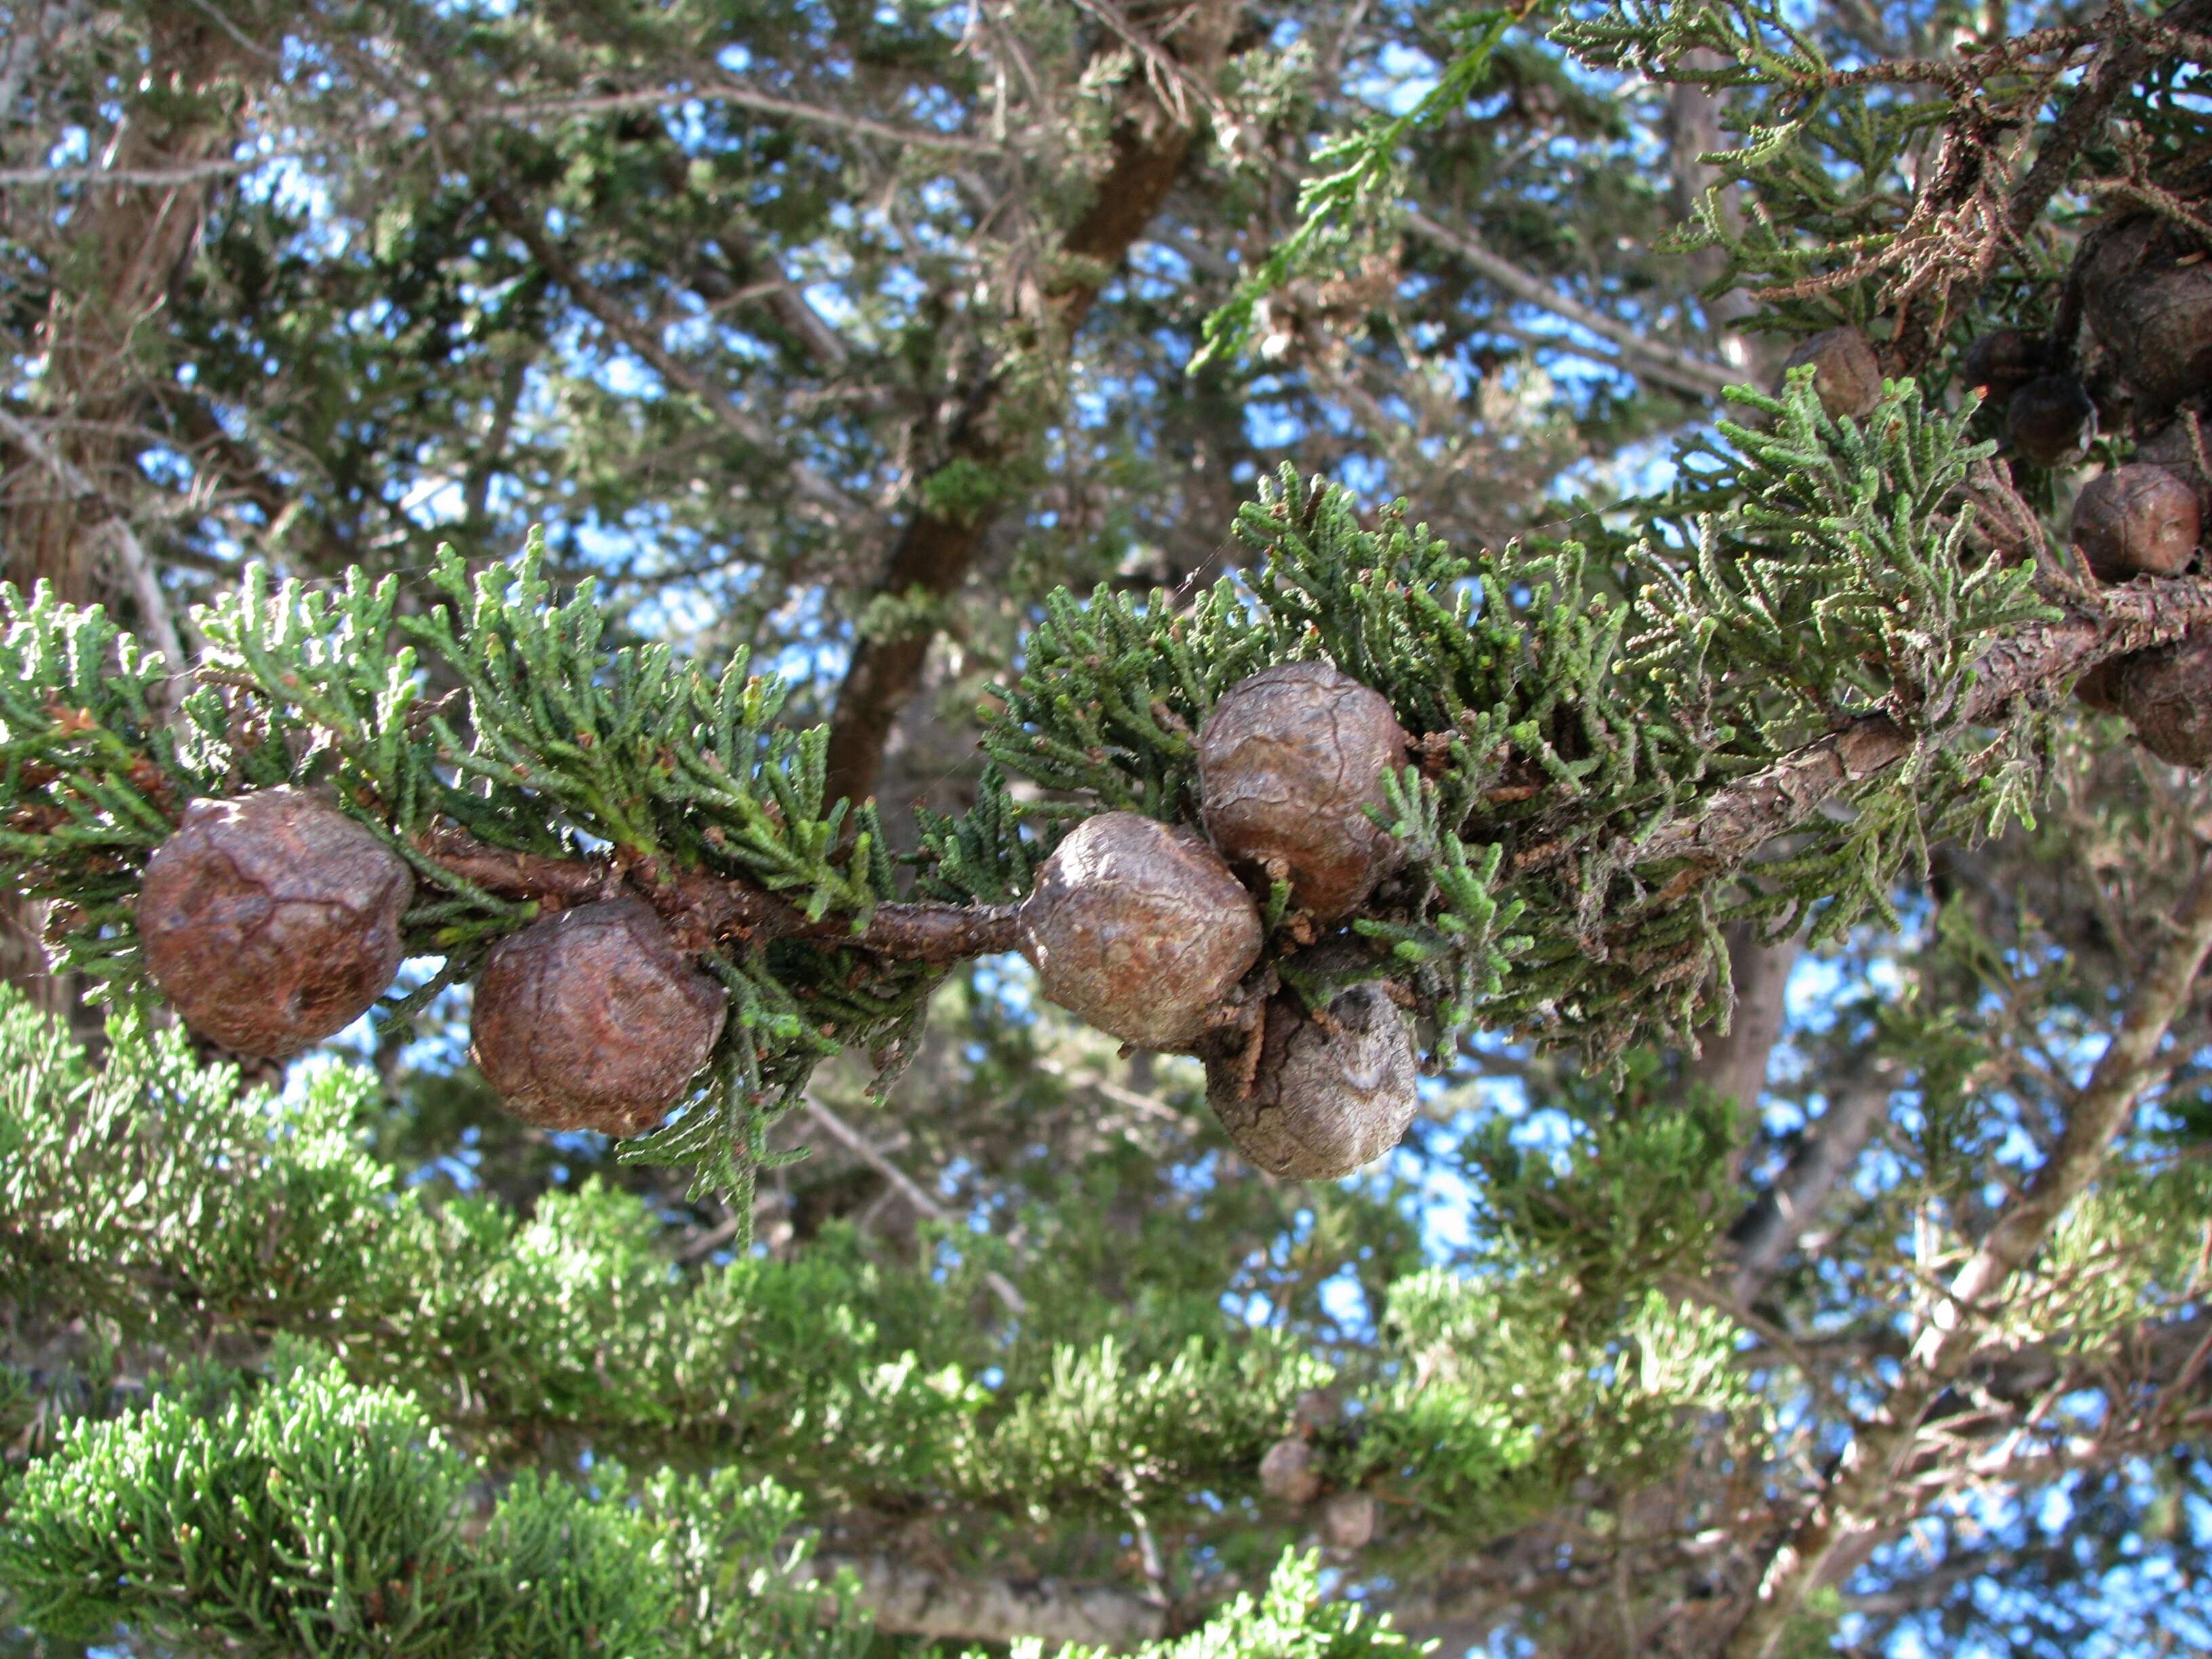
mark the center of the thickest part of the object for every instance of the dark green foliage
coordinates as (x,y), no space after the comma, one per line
(858,1381)
(305,1514)
(1568,713)
(564,746)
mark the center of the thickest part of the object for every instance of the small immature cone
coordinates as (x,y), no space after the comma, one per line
(593,1019)
(1323,1102)
(2051,420)
(1998,363)
(1138,929)
(1289,762)
(1287,1474)
(1846,375)
(2137,521)
(271,921)
(2166,694)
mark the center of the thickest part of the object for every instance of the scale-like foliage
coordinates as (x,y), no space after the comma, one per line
(859,1382)
(1566,707)
(309,1515)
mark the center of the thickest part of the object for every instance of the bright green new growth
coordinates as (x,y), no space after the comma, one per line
(301,1513)
(221,1216)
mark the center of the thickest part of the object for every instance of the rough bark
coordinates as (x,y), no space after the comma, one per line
(2030,665)
(66,499)
(935,551)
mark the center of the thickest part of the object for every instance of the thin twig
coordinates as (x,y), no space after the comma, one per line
(910,1189)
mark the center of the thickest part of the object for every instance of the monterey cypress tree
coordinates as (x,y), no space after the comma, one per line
(1760,880)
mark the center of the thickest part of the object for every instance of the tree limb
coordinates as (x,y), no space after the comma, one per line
(1856,1498)
(912,1601)
(1735,821)
(1771,1228)
(935,549)
(1681,370)
(2028,665)
(702,908)
(911,1190)
(734,91)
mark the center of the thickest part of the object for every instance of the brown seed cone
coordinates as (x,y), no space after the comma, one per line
(1138,929)
(1846,375)
(2175,447)
(2051,420)
(271,921)
(1288,763)
(1287,1474)
(2166,694)
(593,1019)
(2158,324)
(1347,1521)
(1323,1102)
(2114,252)
(1998,363)
(2135,521)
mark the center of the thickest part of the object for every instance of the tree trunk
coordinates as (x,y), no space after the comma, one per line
(72,488)
(937,549)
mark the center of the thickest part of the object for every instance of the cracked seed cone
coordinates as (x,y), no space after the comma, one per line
(1323,1102)
(593,1019)
(2157,322)
(1138,929)
(1846,375)
(2137,521)
(1998,363)
(271,921)
(1288,763)
(2051,420)
(2166,694)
